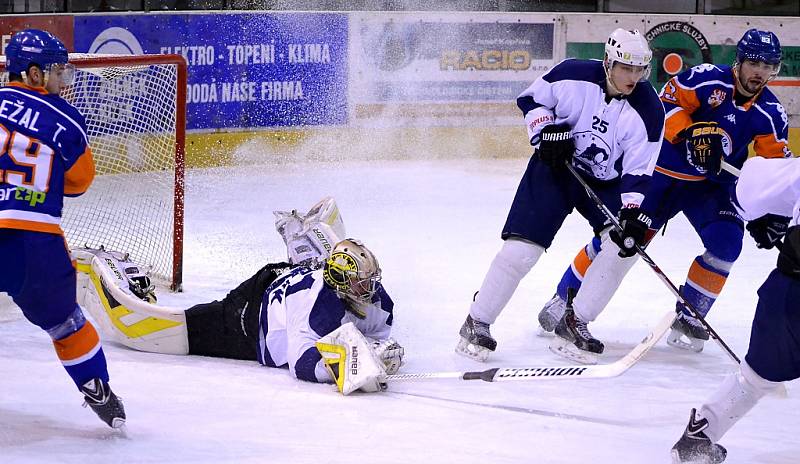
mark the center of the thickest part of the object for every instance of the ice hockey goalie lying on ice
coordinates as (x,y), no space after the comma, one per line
(322,311)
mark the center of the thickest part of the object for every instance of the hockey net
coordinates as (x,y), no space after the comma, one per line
(135,110)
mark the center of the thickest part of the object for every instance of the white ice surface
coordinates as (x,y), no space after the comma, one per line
(435,227)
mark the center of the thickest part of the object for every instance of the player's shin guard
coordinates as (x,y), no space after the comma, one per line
(707,276)
(736,396)
(602,280)
(79,349)
(513,262)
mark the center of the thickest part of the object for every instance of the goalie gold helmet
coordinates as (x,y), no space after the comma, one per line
(352,271)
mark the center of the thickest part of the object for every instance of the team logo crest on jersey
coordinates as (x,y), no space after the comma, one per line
(592,152)
(716,98)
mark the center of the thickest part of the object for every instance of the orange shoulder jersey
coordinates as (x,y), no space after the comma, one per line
(44,155)
(705,93)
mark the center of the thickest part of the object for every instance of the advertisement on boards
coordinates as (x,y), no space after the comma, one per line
(443,68)
(245,70)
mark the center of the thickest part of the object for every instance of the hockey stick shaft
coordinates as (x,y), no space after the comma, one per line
(554,372)
(647,259)
(730,168)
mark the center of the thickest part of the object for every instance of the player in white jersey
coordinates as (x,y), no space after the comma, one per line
(606,120)
(295,315)
(766,187)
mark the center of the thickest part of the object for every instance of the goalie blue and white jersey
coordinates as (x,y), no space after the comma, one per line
(298,309)
(769,185)
(614,137)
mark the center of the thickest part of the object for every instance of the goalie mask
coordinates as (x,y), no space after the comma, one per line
(353,272)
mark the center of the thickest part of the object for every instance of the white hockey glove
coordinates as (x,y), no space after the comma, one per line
(390,353)
(309,238)
(350,360)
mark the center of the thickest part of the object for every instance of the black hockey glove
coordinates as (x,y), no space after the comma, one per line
(704,145)
(789,259)
(634,224)
(556,146)
(768,230)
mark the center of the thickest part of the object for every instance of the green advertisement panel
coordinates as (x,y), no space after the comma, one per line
(678,46)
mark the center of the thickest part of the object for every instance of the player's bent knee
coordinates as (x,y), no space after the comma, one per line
(723,239)
(754,382)
(519,256)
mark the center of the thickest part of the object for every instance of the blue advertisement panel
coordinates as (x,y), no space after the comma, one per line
(245,70)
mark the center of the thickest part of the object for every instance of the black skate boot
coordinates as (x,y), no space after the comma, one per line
(687,333)
(476,340)
(108,406)
(574,341)
(695,446)
(551,313)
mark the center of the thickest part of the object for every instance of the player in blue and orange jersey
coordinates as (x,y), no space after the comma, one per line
(709,109)
(44,156)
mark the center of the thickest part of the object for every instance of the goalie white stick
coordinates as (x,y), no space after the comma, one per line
(554,372)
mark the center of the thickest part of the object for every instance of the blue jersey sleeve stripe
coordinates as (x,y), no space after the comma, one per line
(327,313)
(305,367)
(526,104)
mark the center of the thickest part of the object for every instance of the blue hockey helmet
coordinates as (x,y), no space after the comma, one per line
(34,46)
(758,45)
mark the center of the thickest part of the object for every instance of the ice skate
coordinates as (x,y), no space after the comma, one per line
(476,340)
(687,333)
(574,341)
(695,447)
(108,406)
(551,314)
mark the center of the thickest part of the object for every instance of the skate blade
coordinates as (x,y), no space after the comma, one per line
(567,349)
(544,333)
(678,339)
(472,351)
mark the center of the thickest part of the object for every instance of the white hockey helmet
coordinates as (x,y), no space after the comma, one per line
(628,47)
(353,271)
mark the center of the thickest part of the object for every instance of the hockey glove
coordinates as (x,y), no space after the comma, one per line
(556,146)
(390,353)
(705,145)
(768,230)
(789,259)
(634,224)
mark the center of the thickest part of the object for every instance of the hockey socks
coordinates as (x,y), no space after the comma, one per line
(707,276)
(573,276)
(78,347)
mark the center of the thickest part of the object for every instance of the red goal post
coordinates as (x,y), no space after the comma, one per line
(135,110)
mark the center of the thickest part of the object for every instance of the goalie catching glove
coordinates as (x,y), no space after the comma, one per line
(351,361)
(706,145)
(390,353)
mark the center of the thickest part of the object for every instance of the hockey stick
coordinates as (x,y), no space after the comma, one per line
(610,216)
(730,168)
(555,372)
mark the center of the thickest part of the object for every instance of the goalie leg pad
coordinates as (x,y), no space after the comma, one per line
(351,361)
(122,315)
